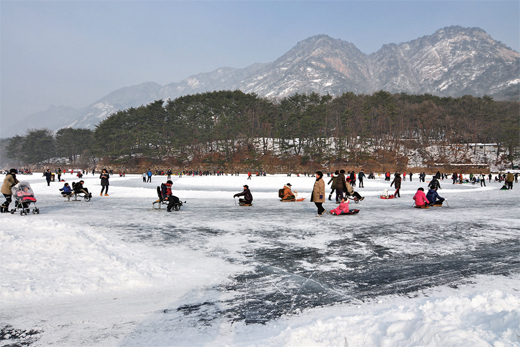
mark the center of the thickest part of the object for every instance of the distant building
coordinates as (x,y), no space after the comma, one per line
(484,148)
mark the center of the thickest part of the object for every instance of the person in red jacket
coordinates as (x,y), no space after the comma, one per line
(420,198)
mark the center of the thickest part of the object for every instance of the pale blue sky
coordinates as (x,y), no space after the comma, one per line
(75,52)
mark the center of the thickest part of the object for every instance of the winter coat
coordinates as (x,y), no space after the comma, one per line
(318,191)
(287,193)
(333,180)
(397,182)
(434,184)
(66,190)
(342,208)
(9,181)
(78,187)
(340,182)
(420,198)
(433,196)
(349,189)
(48,175)
(510,177)
(246,194)
(104,178)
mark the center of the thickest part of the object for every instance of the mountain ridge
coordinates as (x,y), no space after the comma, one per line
(453,61)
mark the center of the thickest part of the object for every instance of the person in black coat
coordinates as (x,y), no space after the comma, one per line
(397,182)
(48,176)
(104,182)
(340,186)
(248,197)
(434,184)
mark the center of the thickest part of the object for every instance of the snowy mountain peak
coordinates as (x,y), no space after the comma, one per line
(453,61)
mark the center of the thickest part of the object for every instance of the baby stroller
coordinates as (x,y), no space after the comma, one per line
(23,198)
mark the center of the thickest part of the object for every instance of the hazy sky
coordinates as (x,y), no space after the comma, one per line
(73,53)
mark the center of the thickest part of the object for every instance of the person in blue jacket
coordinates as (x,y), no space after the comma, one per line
(66,191)
(433,197)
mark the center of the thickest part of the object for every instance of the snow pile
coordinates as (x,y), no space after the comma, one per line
(481,319)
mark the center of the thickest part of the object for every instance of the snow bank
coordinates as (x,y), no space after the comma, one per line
(479,319)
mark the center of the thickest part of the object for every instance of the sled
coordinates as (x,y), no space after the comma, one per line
(349,212)
(387,197)
(293,200)
(425,207)
(244,204)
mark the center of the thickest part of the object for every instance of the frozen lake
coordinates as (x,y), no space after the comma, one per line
(116,272)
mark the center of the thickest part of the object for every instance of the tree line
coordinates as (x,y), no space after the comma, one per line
(217,127)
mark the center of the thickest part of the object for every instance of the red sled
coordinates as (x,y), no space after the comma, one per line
(344,213)
(387,197)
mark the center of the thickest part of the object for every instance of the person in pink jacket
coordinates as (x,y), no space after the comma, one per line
(342,208)
(420,198)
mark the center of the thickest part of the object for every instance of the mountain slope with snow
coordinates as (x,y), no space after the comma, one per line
(454,61)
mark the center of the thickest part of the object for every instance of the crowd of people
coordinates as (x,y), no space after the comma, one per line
(341,183)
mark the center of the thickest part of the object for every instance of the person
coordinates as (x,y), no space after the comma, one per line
(410,175)
(397,182)
(454,177)
(172,199)
(249,175)
(66,191)
(333,180)
(246,193)
(318,192)
(104,182)
(420,198)
(59,174)
(340,185)
(433,197)
(349,191)
(9,181)
(434,183)
(48,176)
(361,175)
(288,193)
(509,180)
(482,180)
(149,173)
(352,178)
(145,175)
(342,208)
(79,188)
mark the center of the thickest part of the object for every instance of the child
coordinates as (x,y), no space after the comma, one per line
(420,198)
(66,191)
(342,208)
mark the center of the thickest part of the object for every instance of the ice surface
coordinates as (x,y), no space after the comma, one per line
(115,272)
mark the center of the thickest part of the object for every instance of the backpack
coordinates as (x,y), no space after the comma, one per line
(163,189)
(280,193)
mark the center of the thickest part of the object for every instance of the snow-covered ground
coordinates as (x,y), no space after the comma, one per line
(115,272)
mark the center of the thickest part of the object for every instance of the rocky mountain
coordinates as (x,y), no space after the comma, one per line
(454,61)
